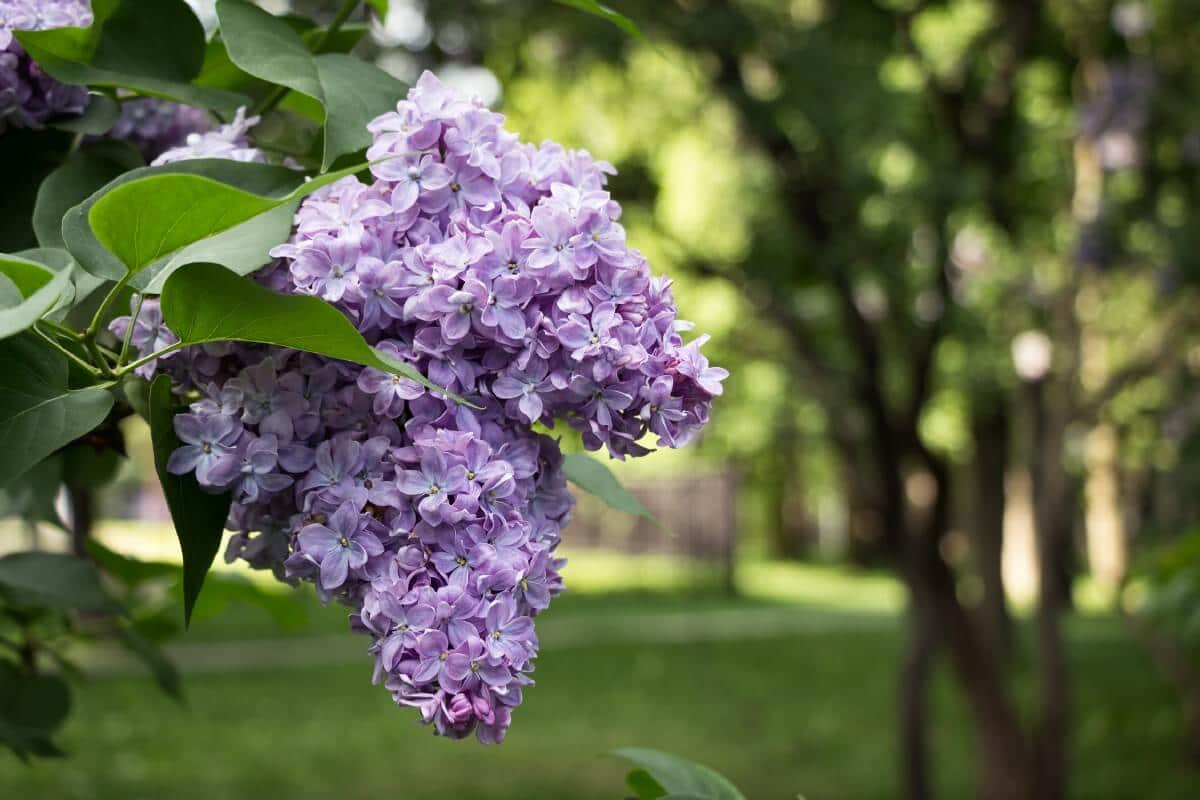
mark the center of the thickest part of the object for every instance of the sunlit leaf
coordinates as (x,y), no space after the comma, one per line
(39,287)
(680,777)
(207,303)
(595,478)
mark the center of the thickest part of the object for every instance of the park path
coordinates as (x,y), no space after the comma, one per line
(669,627)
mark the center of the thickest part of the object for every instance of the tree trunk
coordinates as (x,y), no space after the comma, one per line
(1052,512)
(914,699)
(82,519)
(990,432)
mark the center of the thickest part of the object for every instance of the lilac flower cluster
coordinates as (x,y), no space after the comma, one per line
(155,126)
(28,96)
(499,270)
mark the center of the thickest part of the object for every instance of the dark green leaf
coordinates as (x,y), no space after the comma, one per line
(53,580)
(155,47)
(28,157)
(161,669)
(38,412)
(87,169)
(39,286)
(199,516)
(32,708)
(32,496)
(101,114)
(355,92)
(351,91)
(604,12)
(223,589)
(87,467)
(267,47)
(680,777)
(129,571)
(207,303)
(595,478)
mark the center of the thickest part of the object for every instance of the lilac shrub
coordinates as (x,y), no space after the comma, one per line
(498,269)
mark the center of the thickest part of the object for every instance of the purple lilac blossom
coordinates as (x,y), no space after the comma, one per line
(155,126)
(28,96)
(500,270)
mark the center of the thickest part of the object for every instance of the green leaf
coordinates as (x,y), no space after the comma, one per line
(97,119)
(87,169)
(380,6)
(28,157)
(356,92)
(154,216)
(264,179)
(241,249)
(155,47)
(644,786)
(680,777)
(207,303)
(595,478)
(161,669)
(598,9)
(352,92)
(32,496)
(38,412)
(53,580)
(199,516)
(40,288)
(32,708)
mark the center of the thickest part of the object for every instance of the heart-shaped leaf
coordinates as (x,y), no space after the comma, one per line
(87,169)
(155,47)
(263,179)
(351,92)
(154,216)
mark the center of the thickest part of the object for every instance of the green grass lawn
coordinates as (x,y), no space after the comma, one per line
(808,712)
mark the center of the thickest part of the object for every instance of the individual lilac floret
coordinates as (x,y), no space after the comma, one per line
(498,269)
(228,141)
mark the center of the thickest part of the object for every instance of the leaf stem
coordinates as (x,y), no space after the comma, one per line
(62,330)
(93,327)
(277,94)
(92,370)
(141,298)
(131,366)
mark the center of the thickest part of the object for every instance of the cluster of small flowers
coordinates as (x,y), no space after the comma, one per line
(29,97)
(499,270)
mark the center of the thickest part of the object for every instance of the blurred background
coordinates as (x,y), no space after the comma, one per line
(944,527)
